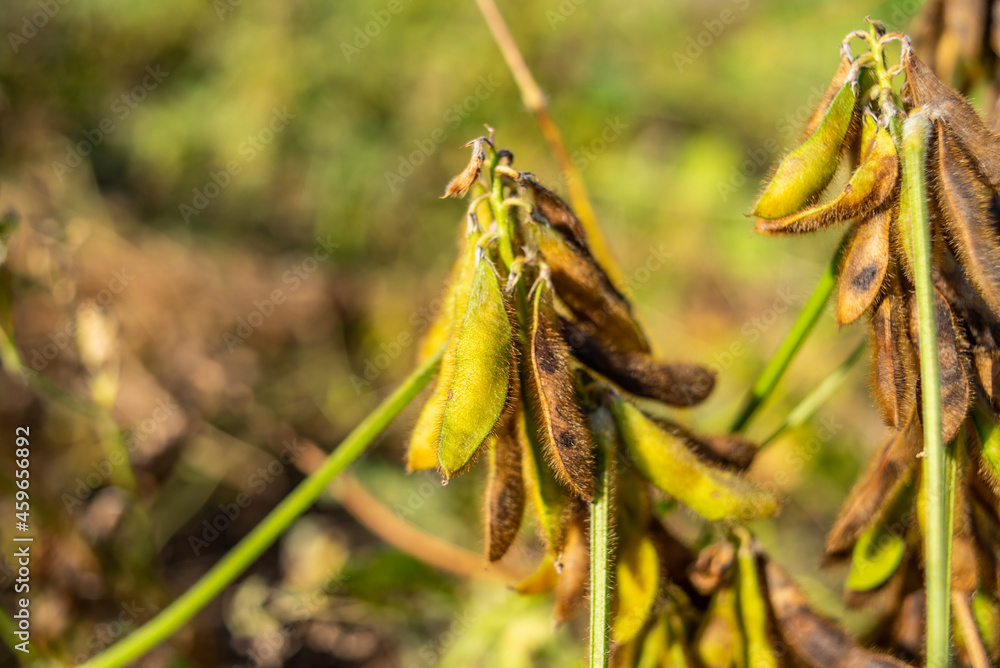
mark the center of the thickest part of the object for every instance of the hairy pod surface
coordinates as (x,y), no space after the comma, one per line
(573,567)
(678,384)
(719,642)
(475,371)
(552,399)
(666,461)
(549,499)
(865,263)
(886,475)
(807,170)
(637,576)
(944,104)
(893,369)
(504,492)
(816,641)
(584,287)
(834,87)
(876,557)
(423,450)
(870,184)
(967,208)
(956,394)
(753,609)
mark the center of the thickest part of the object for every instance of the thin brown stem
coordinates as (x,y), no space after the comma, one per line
(534,100)
(387,525)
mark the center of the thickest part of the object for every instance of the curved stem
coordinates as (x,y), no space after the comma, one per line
(600,568)
(804,323)
(267,531)
(937,538)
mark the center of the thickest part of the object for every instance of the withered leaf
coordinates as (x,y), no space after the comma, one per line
(966,205)
(551,397)
(885,476)
(815,640)
(864,267)
(677,384)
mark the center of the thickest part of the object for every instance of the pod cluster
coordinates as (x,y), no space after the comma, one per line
(544,368)
(879,525)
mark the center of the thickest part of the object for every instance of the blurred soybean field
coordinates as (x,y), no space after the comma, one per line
(227,239)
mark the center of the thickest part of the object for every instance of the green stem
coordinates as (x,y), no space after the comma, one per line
(804,323)
(937,539)
(270,528)
(811,403)
(600,569)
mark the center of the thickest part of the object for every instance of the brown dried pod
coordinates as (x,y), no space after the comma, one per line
(865,263)
(893,377)
(967,213)
(677,384)
(956,393)
(573,567)
(964,562)
(584,287)
(556,211)
(946,105)
(504,492)
(566,440)
(875,490)
(814,639)
(987,366)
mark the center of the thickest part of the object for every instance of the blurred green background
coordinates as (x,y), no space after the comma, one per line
(231,235)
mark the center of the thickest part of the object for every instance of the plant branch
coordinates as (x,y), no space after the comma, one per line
(268,530)
(804,323)
(534,100)
(937,538)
